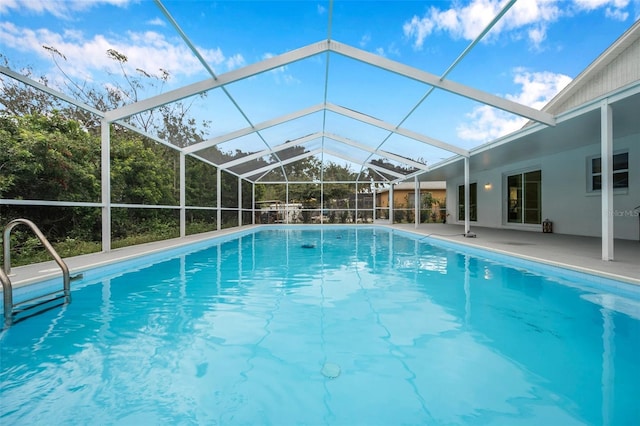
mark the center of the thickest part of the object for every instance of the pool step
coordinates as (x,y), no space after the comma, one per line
(38,305)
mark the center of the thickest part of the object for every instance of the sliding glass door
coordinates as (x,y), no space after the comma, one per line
(524,197)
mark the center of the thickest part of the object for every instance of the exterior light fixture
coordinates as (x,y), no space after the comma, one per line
(487,186)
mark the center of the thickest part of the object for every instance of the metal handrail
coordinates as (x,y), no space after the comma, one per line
(7,295)
(4,275)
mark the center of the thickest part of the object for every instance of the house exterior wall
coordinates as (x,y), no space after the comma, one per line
(566,200)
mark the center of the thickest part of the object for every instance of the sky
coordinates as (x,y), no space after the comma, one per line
(531,54)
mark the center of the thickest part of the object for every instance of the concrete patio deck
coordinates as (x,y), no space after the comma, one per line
(574,252)
(568,251)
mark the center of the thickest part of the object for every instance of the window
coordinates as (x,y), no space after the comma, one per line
(473,202)
(525,197)
(411,198)
(620,172)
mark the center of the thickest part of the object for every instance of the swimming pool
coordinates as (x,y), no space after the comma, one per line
(329,325)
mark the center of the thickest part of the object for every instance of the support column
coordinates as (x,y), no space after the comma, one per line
(391,205)
(467,225)
(239,201)
(416,201)
(105,183)
(321,201)
(183,195)
(253,203)
(286,203)
(218,199)
(606,164)
(355,219)
(373,194)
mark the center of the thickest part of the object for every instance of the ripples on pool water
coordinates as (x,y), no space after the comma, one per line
(360,326)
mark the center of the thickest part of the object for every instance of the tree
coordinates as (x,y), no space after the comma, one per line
(305,169)
(139,174)
(50,158)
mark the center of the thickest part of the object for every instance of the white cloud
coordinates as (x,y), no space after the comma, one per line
(530,12)
(538,88)
(614,9)
(391,50)
(459,21)
(532,17)
(235,61)
(7,5)
(617,14)
(365,39)
(60,9)
(488,123)
(537,35)
(597,4)
(418,29)
(468,21)
(150,51)
(157,22)
(281,74)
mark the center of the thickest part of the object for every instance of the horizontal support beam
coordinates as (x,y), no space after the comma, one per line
(281,163)
(400,131)
(369,165)
(10,202)
(30,82)
(296,142)
(337,138)
(446,85)
(248,130)
(81,105)
(221,80)
(379,152)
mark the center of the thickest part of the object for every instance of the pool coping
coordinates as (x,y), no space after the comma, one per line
(37,273)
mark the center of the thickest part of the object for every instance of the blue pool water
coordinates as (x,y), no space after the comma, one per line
(339,326)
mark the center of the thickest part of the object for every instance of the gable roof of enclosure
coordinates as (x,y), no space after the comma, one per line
(266,156)
(328,47)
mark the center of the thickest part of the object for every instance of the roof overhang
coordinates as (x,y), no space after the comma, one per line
(574,129)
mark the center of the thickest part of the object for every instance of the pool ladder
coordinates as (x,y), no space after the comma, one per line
(11,310)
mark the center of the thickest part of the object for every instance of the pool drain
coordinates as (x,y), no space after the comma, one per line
(330,370)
